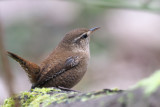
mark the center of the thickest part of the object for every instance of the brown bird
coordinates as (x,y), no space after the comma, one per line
(65,66)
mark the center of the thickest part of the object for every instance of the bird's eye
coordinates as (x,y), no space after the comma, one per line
(81,37)
(84,35)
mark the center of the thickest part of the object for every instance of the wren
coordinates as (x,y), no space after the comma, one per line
(65,66)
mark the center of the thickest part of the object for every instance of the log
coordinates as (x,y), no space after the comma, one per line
(145,93)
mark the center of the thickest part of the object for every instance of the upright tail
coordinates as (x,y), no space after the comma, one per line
(30,68)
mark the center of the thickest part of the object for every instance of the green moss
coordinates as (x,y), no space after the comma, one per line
(115,89)
(38,100)
(9,103)
(45,90)
(36,97)
(84,99)
(149,84)
(45,96)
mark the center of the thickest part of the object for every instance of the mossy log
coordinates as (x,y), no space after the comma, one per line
(146,93)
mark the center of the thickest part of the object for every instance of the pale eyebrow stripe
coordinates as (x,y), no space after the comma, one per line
(79,37)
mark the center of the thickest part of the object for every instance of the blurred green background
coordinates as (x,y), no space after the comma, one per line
(125,49)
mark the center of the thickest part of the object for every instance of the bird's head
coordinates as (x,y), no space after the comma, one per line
(78,39)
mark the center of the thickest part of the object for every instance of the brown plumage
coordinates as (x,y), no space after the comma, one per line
(65,66)
(30,68)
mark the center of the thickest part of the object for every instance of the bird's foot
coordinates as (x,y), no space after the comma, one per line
(67,89)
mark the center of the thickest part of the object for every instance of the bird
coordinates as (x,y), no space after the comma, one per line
(65,66)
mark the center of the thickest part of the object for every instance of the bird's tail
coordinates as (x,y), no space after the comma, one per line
(30,68)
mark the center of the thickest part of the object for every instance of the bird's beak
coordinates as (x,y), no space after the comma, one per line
(92,30)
